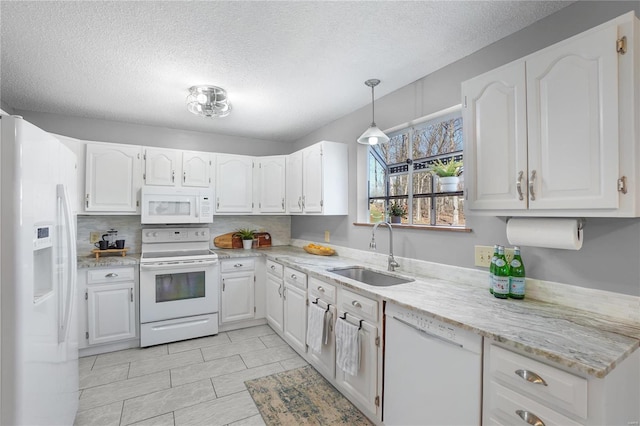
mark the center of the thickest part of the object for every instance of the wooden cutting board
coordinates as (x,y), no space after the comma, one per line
(228,241)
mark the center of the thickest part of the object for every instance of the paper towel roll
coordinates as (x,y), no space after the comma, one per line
(545,232)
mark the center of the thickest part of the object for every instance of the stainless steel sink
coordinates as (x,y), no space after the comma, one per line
(370,276)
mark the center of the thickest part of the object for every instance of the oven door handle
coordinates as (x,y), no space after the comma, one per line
(177,265)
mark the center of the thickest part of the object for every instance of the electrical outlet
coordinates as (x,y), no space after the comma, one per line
(508,254)
(327,237)
(483,255)
(94,237)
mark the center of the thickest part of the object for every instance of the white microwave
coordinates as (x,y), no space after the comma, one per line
(176,205)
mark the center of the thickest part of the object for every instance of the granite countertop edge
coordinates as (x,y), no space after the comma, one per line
(573,338)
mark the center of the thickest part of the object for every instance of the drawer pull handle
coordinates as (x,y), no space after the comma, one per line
(531,377)
(356,304)
(321,289)
(273,267)
(111,275)
(530,418)
(238,265)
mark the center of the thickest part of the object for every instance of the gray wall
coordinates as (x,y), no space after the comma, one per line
(610,257)
(137,134)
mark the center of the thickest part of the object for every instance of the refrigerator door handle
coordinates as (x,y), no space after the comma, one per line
(66,304)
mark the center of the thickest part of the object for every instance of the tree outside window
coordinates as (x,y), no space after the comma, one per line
(399,171)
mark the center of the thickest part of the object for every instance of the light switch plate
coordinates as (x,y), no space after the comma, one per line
(327,236)
(94,237)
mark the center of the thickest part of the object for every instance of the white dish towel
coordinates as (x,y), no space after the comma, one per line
(315,327)
(347,347)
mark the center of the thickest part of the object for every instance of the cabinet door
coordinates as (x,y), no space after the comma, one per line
(234,184)
(495,134)
(312,179)
(271,172)
(275,313)
(160,166)
(236,301)
(363,386)
(572,104)
(111,312)
(295,317)
(196,169)
(294,182)
(325,361)
(83,326)
(113,178)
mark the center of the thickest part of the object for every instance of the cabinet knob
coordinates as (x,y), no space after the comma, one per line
(293,277)
(356,304)
(531,377)
(530,418)
(238,265)
(111,275)
(321,289)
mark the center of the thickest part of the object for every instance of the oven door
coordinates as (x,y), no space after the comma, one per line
(178,290)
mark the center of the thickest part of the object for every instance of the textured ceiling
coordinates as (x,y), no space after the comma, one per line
(289,67)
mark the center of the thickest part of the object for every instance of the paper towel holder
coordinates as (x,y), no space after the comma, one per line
(581,220)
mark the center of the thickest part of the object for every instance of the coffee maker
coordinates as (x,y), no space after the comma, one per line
(110,237)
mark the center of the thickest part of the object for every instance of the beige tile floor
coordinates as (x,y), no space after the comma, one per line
(193,382)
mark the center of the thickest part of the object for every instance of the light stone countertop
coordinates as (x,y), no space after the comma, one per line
(579,340)
(108,261)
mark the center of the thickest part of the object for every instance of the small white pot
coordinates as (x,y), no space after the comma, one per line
(246,244)
(449,183)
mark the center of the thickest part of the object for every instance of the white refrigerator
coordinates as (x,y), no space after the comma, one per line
(38,324)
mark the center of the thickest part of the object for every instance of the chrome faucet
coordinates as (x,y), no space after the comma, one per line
(391,263)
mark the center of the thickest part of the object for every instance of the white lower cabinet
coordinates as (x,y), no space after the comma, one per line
(274,286)
(324,295)
(237,290)
(108,306)
(518,390)
(295,309)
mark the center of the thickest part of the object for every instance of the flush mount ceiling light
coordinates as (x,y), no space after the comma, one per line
(208,101)
(373,135)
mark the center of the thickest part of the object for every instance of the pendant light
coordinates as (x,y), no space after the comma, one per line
(373,135)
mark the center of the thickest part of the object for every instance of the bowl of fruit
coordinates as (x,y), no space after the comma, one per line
(319,250)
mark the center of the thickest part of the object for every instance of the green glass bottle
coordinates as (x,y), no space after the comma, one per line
(492,267)
(501,277)
(516,275)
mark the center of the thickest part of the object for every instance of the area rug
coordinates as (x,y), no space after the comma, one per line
(302,396)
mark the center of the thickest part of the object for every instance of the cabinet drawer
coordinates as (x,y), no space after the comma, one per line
(358,305)
(237,265)
(563,390)
(511,408)
(297,278)
(323,290)
(274,268)
(95,276)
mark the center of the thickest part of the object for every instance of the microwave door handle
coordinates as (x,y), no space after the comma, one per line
(197,206)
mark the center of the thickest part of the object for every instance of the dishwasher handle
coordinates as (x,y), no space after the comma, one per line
(428,334)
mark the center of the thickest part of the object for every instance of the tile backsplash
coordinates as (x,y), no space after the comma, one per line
(130,229)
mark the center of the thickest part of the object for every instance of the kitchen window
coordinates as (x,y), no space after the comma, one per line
(398,172)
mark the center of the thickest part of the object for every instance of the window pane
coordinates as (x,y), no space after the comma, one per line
(396,150)
(422,211)
(450,211)
(438,138)
(377,178)
(399,185)
(421,182)
(376,211)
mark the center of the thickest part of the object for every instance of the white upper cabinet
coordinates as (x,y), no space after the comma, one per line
(555,134)
(172,167)
(294,182)
(196,169)
(113,181)
(234,183)
(270,183)
(161,166)
(317,179)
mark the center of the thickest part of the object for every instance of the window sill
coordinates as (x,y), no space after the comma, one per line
(422,227)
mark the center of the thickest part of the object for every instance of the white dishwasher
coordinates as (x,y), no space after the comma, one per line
(432,371)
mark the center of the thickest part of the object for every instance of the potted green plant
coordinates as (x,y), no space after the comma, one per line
(448,174)
(397,212)
(247,236)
